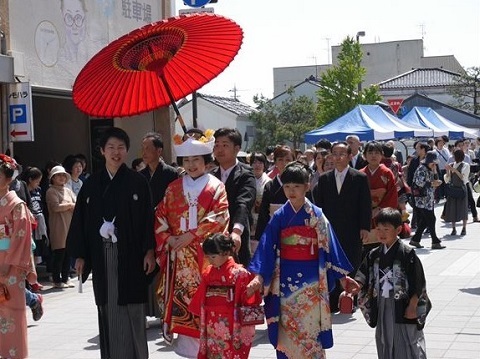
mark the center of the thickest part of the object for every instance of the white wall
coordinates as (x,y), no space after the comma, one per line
(212,117)
(305,89)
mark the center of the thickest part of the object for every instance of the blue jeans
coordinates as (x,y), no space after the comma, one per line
(30,298)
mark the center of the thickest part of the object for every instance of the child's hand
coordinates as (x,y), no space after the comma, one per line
(31,277)
(254,285)
(411,311)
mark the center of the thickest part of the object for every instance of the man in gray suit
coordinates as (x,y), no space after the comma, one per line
(344,196)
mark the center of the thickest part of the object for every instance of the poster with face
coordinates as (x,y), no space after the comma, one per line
(56,38)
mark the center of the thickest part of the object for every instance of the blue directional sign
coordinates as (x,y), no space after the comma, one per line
(196,3)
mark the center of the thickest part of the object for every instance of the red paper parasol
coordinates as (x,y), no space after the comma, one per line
(156,65)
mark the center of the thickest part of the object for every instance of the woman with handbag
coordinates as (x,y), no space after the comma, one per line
(15,264)
(456,177)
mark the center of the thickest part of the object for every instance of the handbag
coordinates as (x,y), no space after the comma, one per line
(251,315)
(345,302)
(476,186)
(4,294)
(418,191)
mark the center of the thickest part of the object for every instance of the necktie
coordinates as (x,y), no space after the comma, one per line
(338,179)
(354,161)
(224,177)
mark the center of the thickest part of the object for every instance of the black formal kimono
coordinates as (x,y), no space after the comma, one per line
(241,192)
(119,280)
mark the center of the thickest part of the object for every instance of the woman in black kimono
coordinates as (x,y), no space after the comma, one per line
(111,235)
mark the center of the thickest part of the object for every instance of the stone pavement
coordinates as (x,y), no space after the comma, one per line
(68,329)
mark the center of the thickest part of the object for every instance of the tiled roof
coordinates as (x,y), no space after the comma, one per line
(230,104)
(420,78)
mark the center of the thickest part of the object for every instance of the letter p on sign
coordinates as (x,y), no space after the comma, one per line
(18,114)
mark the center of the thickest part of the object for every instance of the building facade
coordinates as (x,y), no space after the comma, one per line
(214,112)
(382,60)
(50,41)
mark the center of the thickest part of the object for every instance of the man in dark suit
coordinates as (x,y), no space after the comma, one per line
(159,175)
(240,186)
(157,172)
(356,161)
(348,207)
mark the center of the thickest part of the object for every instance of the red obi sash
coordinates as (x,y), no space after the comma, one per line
(299,243)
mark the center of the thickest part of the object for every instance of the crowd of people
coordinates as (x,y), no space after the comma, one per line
(200,244)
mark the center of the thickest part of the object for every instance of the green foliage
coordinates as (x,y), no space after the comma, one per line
(278,124)
(466,91)
(339,85)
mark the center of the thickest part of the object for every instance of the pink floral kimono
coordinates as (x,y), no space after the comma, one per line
(15,264)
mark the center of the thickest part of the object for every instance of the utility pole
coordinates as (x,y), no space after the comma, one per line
(316,68)
(327,39)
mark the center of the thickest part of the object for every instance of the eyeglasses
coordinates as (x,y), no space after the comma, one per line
(70,20)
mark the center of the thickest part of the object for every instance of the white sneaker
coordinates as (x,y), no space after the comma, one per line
(60,285)
(70,284)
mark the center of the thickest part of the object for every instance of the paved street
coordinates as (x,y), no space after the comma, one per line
(68,328)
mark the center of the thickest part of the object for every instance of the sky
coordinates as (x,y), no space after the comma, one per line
(299,32)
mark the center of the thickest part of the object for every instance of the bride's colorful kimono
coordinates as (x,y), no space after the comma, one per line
(15,252)
(181,270)
(217,301)
(299,258)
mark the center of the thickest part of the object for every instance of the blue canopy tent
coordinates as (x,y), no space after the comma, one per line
(368,122)
(439,125)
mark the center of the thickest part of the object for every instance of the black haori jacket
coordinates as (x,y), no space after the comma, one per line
(408,278)
(126,198)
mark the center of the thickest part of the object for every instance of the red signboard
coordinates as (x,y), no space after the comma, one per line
(395,104)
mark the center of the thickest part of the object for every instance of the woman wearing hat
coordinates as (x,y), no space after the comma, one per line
(423,188)
(60,202)
(15,264)
(194,207)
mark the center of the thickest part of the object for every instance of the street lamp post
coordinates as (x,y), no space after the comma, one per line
(359,34)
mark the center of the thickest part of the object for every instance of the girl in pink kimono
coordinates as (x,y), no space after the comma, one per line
(15,264)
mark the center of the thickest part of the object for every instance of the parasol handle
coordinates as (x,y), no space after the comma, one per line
(180,119)
(172,101)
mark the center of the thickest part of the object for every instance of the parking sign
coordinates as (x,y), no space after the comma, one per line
(20,112)
(196,3)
